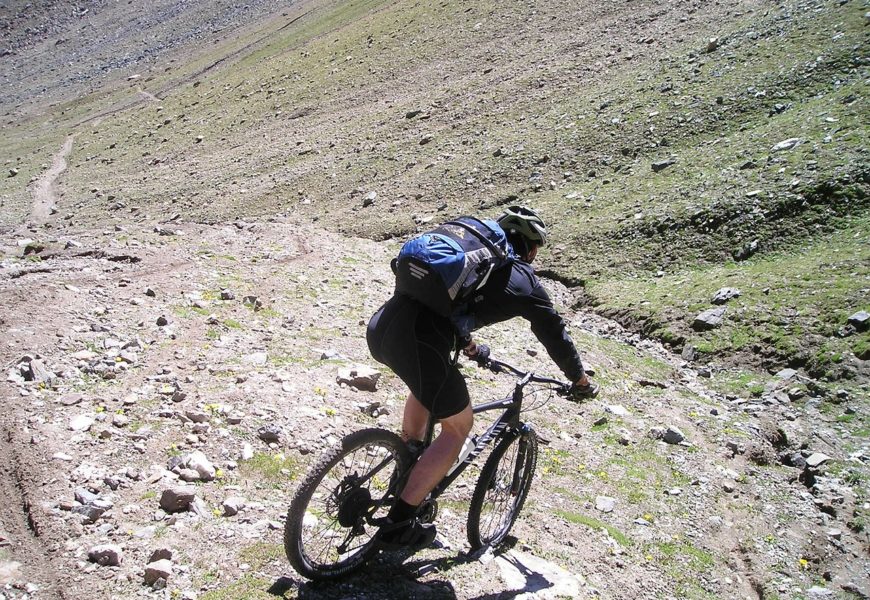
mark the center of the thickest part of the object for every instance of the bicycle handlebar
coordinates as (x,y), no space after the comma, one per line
(497,366)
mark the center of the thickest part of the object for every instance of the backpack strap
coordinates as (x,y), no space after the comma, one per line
(486,241)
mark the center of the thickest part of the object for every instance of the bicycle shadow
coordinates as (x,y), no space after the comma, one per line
(391,579)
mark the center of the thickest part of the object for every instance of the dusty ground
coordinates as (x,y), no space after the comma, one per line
(717,517)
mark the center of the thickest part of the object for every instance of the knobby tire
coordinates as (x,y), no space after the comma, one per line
(502,488)
(326,534)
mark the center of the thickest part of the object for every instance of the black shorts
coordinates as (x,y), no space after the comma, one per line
(418,344)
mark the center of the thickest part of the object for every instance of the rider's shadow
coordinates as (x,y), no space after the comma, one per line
(401,579)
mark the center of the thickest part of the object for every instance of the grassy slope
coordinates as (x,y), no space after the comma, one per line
(306,121)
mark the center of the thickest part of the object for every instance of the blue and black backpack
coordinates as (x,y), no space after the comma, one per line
(442,268)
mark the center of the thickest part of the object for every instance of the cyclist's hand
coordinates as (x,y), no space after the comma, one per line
(578,392)
(479,353)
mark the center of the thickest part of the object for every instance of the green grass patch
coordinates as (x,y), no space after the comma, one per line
(260,554)
(581,519)
(274,468)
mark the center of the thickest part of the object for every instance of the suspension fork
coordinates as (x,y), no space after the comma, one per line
(522,452)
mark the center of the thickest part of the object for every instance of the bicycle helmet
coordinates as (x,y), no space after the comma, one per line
(526,222)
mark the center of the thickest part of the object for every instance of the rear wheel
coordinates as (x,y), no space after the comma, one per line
(501,489)
(327,533)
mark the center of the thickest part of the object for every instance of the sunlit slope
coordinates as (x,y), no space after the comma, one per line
(649,136)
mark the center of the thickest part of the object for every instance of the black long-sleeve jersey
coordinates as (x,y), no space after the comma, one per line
(515,291)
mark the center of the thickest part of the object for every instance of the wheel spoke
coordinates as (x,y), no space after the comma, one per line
(501,491)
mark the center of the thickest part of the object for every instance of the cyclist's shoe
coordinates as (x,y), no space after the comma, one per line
(405,535)
(583,392)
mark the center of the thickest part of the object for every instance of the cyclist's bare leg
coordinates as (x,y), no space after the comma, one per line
(414,420)
(440,456)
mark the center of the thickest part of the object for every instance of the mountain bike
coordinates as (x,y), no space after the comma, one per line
(341,502)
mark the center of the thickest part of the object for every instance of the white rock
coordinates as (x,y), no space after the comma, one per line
(616,409)
(605,504)
(817,458)
(786,145)
(81,423)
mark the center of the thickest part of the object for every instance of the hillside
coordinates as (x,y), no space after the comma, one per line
(677,150)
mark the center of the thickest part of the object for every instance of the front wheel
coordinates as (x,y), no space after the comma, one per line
(328,532)
(501,489)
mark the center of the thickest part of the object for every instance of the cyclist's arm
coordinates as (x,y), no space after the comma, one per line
(551,331)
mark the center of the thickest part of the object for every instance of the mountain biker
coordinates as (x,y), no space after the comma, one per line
(417,344)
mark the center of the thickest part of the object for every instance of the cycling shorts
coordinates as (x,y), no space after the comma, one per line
(418,344)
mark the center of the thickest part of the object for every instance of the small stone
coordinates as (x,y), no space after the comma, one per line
(271,434)
(162,321)
(786,374)
(605,504)
(108,555)
(198,462)
(85,496)
(709,319)
(860,320)
(70,399)
(816,459)
(81,423)
(177,499)
(233,505)
(616,409)
(690,353)
(360,377)
(160,554)
(661,165)
(227,295)
(673,435)
(725,294)
(156,571)
(786,145)
(188,475)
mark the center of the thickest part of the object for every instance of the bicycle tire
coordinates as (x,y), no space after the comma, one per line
(502,489)
(327,534)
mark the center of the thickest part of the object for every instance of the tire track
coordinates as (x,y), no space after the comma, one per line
(20,520)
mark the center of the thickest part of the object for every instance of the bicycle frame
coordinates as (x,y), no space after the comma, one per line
(507,424)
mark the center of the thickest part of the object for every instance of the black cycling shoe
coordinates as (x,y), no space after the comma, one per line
(410,535)
(584,392)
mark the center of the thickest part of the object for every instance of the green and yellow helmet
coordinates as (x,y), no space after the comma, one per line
(526,222)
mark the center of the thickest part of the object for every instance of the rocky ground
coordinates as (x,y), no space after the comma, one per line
(168,382)
(182,292)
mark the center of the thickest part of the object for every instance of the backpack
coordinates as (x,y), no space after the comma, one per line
(443,267)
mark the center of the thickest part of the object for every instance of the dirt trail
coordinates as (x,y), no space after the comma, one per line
(44,194)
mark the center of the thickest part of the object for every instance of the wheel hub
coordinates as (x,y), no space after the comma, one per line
(354,505)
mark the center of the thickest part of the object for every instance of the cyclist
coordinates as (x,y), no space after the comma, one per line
(418,345)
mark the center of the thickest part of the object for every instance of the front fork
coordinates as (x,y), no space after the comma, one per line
(522,453)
